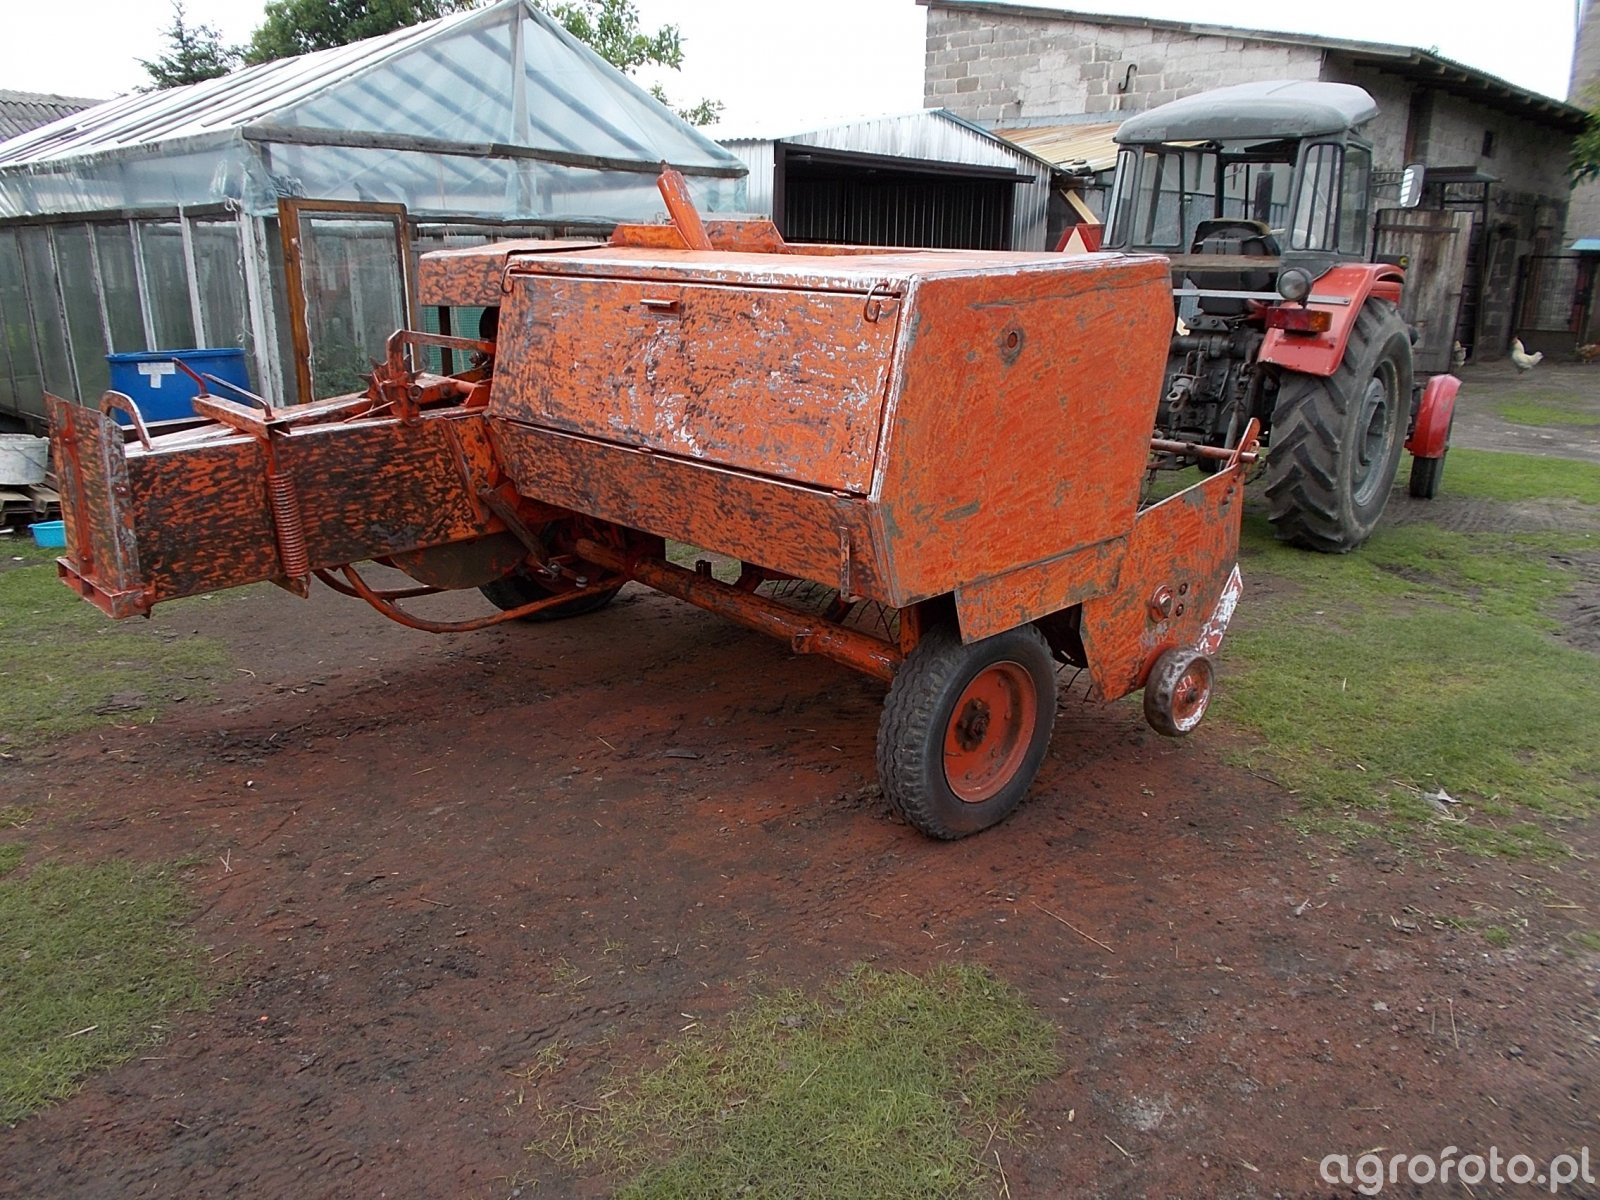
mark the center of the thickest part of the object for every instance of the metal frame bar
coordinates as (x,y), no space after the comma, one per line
(142,282)
(191,273)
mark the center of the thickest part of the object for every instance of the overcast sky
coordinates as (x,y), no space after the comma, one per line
(769,61)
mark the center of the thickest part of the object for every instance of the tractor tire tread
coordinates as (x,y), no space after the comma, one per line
(1305,462)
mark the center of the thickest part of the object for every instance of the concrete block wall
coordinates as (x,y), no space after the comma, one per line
(1002,67)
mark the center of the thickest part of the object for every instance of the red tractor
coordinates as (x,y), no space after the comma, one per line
(1260,196)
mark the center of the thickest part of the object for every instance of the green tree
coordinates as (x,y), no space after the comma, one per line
(291,27)
(194,52)
(612,29)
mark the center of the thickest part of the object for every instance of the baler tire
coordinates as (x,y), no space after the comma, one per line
(1177,691)
(932,697)
(1331,467)
(521,588)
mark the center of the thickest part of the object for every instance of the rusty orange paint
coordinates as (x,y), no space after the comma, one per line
(1179,558)
(900,425)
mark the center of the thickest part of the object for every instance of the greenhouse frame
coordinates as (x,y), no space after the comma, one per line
(178,219)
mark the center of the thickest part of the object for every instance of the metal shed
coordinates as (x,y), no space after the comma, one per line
(178,219)
(927,178)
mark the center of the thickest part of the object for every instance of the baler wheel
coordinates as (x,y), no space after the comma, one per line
(522,587)
(1336,442)
(965,728)
(1177,691)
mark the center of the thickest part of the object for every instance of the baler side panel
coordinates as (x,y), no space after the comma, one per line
(202,516)
(102,559)
(1006,601)
(374,489)
(1019,430)
(788,383)
(801,531)
(1179,558)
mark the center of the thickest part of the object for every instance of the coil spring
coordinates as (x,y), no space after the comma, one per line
(291,533)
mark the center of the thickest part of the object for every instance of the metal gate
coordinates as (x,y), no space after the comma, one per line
(1555,302)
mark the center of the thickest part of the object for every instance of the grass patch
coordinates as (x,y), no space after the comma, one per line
(1423,661)
(1526,412)
(92,963)
(18,550)
(15,816)
(1496,475)
(11,856)
(876,1089)
(61,660)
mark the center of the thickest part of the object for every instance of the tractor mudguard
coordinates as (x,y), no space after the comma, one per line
(1430,432)
(1350,285)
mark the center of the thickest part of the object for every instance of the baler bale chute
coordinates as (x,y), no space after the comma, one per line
(957,439)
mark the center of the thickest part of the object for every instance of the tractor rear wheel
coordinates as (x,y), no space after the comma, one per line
(1336,441)
(965,728)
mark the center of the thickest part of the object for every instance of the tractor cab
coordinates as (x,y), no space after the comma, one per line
(1277,172)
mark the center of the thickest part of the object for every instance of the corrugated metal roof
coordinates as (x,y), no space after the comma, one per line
(451,80)
(213,106)
(1089,147)
(23,112)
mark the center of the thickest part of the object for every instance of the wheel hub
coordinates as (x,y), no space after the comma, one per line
(972,724)
(989,731)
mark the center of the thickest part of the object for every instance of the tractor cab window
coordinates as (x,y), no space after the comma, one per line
(1316,212)
(1354,205)
(1256,191)
(1147,200)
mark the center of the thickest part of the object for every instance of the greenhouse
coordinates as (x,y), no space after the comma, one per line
(178,219)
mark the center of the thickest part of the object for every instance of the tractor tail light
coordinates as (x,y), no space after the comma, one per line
(1294,319)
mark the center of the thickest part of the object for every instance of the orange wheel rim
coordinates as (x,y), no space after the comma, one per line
(989,731)
(1191,694)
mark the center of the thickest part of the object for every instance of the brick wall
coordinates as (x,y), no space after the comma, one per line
(1000,67)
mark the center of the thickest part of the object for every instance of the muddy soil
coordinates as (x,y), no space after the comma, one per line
(422,861)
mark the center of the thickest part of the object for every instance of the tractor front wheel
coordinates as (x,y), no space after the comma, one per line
(1336,441)
(965,728)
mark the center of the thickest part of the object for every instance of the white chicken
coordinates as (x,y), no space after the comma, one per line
(1522,359)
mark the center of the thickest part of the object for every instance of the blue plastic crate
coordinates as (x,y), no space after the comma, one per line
(161,391)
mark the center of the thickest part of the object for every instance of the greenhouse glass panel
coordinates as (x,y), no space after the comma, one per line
(119,284)
(354,297)
(49,330)
(167,284)
(219,265)
(85,333)
(26,385)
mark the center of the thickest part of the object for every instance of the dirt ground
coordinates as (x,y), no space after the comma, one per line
(1479,427)
(422,860)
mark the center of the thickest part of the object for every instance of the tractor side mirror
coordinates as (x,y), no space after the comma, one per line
(1411,185)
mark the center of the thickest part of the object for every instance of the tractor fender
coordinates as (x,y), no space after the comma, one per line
(1430,432)
(1351,285)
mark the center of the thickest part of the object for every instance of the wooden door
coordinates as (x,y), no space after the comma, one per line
(1433,245)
